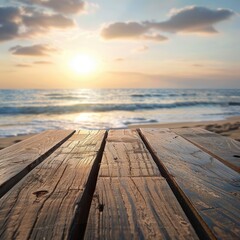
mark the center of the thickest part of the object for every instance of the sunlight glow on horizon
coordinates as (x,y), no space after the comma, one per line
(156,44)
(83,64)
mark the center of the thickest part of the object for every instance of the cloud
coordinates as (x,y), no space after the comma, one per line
(42,62)
(16,22)
(123,30)
(34,50)
(25,65)
(22,65)
(154,37)
(8,23)
(9,14)
(191,19)
(128,30)
(46,21)
(119,59)
(60,6)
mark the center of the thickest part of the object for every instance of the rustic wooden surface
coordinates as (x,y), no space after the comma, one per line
(45,203)
(126,155)
(152,184)
(225,149)
(132,200)
(17,160)
(208,188)
(136,208)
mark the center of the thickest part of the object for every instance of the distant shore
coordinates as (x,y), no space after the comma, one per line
(229,127)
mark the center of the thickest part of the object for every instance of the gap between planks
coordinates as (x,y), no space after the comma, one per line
(13,173)
(46,201)
(129,205)
(79,222)
(225,149)
(206,188)
(201,228)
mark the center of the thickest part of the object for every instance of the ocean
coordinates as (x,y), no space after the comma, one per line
(32,111)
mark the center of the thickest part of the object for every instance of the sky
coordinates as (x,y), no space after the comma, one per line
(119,44)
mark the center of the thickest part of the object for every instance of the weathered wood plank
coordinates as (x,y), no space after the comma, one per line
(134,202)
(209,188)
(93,139)
(136,208)
(126,155)
(17,160)
(225,149)
(55,194)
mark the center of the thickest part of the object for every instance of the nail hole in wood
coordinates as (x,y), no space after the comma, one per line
(100,207)
(40,193)
(234,194)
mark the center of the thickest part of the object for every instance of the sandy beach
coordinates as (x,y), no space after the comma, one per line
(8,141)
(229,128)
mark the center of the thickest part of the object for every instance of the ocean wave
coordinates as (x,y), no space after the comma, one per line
(91,107)
(139,121)
(60,96)
(145,95)
(153,95)
(53,94)
(234,103)
(66,98)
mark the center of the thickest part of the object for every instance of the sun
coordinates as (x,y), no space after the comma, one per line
(83,64)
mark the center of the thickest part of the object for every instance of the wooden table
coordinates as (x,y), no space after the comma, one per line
(121,184)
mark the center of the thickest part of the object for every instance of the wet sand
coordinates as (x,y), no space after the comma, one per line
(229,128)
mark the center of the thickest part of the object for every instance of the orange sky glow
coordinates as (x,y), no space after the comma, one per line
(102,44)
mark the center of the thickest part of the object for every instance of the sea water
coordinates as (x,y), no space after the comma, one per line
(32,111)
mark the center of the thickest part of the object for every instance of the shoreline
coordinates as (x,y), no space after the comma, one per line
(230,127)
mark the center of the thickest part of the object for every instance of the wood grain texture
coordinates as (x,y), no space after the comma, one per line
(126,155)
(225,149)
(136,208)
(88,141)
(132,200)
(209,188)
(44,203)
(17,160)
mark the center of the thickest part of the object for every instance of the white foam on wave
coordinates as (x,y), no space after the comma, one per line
(32,111)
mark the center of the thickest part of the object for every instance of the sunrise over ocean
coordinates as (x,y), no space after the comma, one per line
(119,119)
(105,64)
(107,44)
